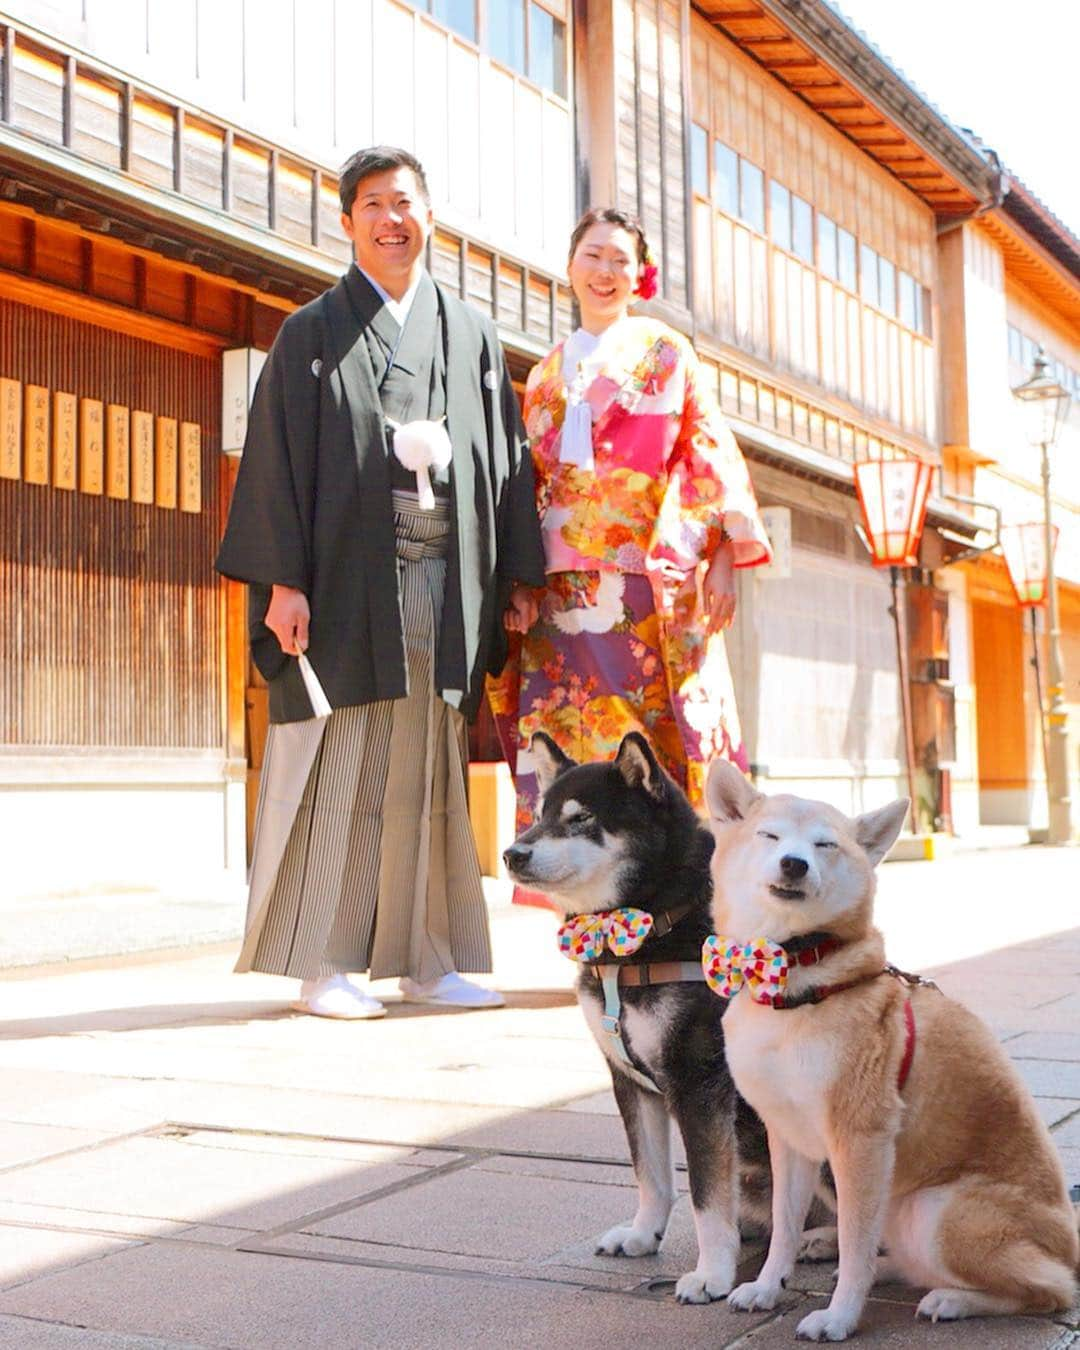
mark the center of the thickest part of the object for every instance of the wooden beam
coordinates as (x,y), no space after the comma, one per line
(117,318)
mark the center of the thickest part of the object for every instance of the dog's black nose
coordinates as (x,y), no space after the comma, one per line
(794,869)
(516,856)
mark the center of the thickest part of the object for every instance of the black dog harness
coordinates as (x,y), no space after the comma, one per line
(642,974)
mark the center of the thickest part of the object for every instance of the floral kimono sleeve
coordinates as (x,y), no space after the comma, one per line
(708,496)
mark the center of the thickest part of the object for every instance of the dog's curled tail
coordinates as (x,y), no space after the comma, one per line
(1042,1283)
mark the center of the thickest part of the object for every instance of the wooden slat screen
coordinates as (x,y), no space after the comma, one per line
(111,606)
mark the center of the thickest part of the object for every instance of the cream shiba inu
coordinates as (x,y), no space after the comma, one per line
(939,1155)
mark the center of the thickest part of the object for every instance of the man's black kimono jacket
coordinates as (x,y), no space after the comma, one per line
(312,508)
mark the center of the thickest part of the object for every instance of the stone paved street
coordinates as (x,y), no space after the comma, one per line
(184,1162)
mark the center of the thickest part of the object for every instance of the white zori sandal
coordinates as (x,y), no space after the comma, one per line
(337,996)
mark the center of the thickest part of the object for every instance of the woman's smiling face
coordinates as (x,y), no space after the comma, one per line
(603,273)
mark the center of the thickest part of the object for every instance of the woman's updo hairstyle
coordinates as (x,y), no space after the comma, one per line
(609,215)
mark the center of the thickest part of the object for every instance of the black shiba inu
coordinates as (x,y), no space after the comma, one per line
(622,835)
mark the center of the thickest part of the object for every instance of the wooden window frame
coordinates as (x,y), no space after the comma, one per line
(558,10)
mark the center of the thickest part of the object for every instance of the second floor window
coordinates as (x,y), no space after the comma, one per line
(524,35)
(738,187)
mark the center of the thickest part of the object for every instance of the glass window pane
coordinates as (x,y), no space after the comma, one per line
(752,195)
(924,310)
(802,224)
(726,179)
(699,159)
(460,15)
(868,274)
(887,285)
(780,215)
(547,50)
(1016,350)
(826,239)
(845,258)
(909,312)
(506,32)
(1027,352)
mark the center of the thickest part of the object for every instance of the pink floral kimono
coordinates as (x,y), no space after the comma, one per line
(629,526)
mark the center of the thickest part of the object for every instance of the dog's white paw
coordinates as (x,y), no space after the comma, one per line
(702,1286)
(825,1325)
(947,1305)
(819,1244)
(754,1297)
(626,1240)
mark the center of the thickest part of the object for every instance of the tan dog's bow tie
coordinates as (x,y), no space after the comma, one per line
(760,965)
(622,931)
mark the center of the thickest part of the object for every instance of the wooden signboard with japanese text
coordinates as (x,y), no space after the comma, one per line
(142,457)
(190,467)
(117,451)
(10,429)
(165,467)
(64,413)
(91,446)
(36,445)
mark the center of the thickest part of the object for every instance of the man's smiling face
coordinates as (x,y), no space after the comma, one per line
(389,225)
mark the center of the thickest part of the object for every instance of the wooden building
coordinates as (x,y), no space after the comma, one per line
(160,207)
(859,277)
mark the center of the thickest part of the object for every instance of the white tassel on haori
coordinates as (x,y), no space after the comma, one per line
(420,446)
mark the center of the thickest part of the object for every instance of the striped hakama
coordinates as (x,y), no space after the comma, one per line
(364,856)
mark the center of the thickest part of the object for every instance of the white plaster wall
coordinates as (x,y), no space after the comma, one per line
(324,77)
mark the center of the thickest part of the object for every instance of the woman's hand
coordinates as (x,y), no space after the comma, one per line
(287,617)
(719,589)
(522,611)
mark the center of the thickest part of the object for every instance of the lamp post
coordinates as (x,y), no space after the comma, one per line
(1024,547)
(893,494)
(1045,405)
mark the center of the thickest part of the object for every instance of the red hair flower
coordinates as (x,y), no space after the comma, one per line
(646,286)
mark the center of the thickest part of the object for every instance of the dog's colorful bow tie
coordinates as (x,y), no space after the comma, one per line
(760,965)
(622,931)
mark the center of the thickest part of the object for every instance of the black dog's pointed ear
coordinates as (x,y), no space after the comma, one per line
(638,765)
(728,793)
(549,760)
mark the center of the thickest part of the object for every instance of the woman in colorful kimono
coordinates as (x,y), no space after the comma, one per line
(646,509)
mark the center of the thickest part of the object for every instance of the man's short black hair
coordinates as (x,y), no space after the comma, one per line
(377,159)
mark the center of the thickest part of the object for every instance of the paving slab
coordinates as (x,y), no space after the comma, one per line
(22,1333)
(348,1251)
(64,1219)
(1050,1077)
(1067,1133)
(485,1214)
(893,1326)
(167,1179)
(21,1142)
(1055,1110)
(235,1299)
(27,1253)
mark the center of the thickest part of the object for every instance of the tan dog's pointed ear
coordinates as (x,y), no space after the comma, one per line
(638,766)
(728,793)
(548,759)
(876,831)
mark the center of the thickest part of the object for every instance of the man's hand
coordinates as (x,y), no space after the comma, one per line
(522,611)
(719,589)
(287,617)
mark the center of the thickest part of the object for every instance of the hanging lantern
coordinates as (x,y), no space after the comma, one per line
(893,494)
(1024,547)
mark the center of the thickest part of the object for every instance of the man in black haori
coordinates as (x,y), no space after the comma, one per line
(385,521)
